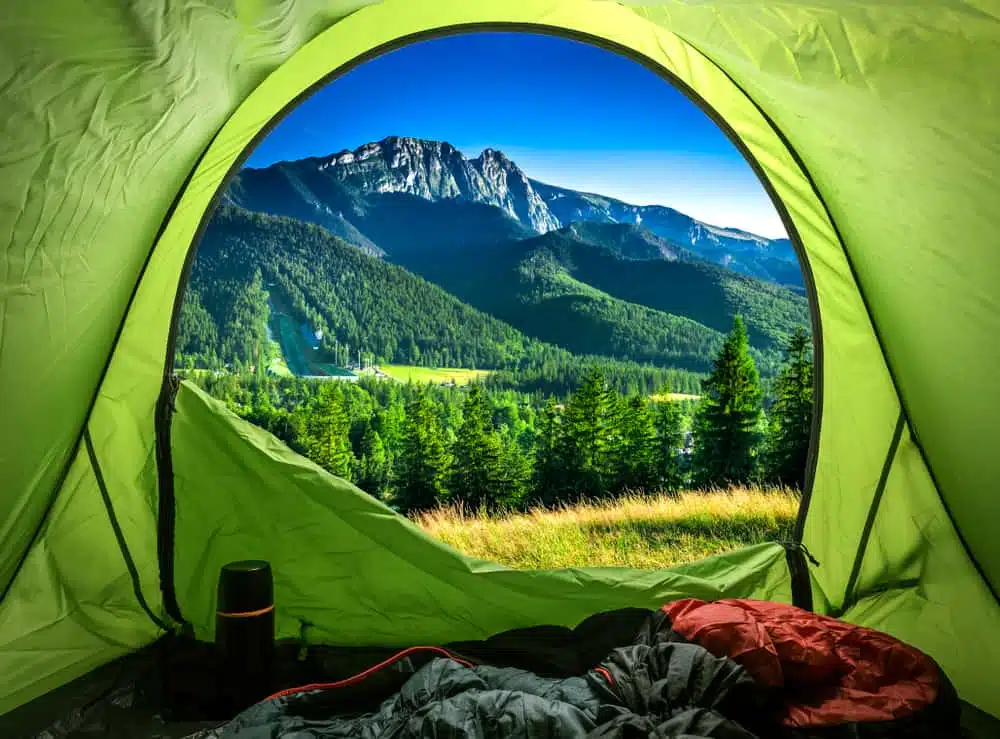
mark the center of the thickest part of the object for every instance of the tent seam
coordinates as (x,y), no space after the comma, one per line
(873,510)
(133,571)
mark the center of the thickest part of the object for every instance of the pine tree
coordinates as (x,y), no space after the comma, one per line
(589,436)
(373,468)
(726,425)
(424,460)
(476,475)
(617,445)
(638,458)
(549,478)
(327,429)
(791,414)
(515,470)
(669,439)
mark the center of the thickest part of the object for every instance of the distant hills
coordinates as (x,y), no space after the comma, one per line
(414,253)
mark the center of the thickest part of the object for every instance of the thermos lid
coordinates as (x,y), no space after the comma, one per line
(245,587)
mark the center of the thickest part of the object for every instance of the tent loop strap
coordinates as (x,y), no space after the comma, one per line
(133,571)
(798,558)
(799,546)
(852,581)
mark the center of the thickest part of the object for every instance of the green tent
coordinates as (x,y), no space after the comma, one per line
(875,125)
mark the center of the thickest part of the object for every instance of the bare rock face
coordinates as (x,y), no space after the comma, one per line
(436,170)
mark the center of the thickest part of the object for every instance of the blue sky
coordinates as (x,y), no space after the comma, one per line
(568,113)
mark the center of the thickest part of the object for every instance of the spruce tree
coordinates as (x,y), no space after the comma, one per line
(424,460)
(637,461)
(549,477)
(327,429)
(373,468)
(588,439)
(515,470)
(669,439)
(476,475)
(791,414)
(726,426)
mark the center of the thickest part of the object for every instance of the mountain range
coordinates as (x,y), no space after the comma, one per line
(350,192)
(478,264)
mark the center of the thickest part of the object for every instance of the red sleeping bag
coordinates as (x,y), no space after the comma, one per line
(827,672)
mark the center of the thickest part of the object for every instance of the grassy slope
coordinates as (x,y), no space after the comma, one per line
(659,398)
(410,373)
(648,532)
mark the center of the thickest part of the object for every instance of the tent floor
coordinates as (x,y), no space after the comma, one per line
(169,690)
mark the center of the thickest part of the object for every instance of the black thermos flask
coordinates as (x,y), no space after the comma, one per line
(244,632)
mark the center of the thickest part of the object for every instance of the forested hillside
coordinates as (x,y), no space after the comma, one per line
(541,265)
(247,260)
(619,291)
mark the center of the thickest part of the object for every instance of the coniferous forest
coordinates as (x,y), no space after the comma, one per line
(492,447)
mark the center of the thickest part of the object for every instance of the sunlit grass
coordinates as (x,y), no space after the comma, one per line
(660,397)
(634,531)
(410,373)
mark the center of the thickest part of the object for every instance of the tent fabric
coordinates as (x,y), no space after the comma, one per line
(875,124)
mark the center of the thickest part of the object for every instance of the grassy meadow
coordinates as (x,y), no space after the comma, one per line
(410,373)
(633,531)
(662,397)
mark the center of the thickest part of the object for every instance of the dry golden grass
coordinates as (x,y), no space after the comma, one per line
(635,531)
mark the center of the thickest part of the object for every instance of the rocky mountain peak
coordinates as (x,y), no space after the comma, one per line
(436,170)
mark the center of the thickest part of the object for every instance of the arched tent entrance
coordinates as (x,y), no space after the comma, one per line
(875,126)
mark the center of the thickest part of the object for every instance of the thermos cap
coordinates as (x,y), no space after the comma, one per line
(245,587)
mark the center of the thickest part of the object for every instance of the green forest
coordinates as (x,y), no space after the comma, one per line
(492,448)
(249,261)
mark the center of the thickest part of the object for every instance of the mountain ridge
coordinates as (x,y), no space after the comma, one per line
(330,188)
(579,288)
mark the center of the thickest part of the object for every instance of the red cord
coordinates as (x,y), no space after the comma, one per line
(367,673)
(606,674)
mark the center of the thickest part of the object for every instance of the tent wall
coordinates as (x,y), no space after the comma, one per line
(888,107)
(73,606)
(915,581)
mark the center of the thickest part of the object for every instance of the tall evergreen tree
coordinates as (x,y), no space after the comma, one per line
(637,456)
(373,467)
(791,414)
(476,474)
(549,477)
(424,460)
(515,470)
(589,436)
(726,426)
(669,439)
(327,429)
